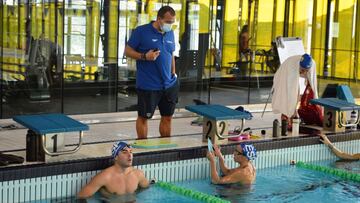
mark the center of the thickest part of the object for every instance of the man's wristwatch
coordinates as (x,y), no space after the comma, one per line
(143,56)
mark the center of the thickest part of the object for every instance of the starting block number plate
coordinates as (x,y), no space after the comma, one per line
(54,142)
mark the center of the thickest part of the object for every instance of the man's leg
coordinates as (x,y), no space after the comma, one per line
(165,126)
(147,101)
(167,106)
(141,127)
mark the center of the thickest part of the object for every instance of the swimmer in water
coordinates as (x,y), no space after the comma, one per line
(244,174)
(120,178)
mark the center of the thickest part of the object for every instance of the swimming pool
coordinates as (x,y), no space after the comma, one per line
(191,170)
(277,184)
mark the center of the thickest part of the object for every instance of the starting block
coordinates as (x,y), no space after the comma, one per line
(46,134)
(343,92)
(215,123)
(334,113)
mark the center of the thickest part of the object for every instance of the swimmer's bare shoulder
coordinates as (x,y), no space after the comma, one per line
(137,171)
(244,175)
(98,181)
(143,182)
(107,173)
(249,170)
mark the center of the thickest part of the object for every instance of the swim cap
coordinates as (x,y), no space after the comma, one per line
(306,61)
(118,146)
(248,150)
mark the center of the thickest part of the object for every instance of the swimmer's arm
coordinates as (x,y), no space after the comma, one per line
(343,155)
(336,151)
(93,186)
(143,182)
(224,169)
(213,173)
(231,178)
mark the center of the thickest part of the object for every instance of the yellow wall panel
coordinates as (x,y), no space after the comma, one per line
(5,32)
(230,37)
(229,55)
(204,16)
(13,31)
(264,25)
(112,32)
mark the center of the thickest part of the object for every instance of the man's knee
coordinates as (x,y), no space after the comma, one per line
(166,118)
(142,120)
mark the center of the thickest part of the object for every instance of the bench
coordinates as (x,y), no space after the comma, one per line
(334,113)
(45,134)
(215,123)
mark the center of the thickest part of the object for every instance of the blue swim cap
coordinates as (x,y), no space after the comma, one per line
(249,151)
(306,61)
(118,146)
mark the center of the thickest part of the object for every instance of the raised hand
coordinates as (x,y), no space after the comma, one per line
(324,139)
(210,156)
(217,150)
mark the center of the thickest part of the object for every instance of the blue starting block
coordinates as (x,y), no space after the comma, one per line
(215,125)
(45,134)
(343,92)
(334,113)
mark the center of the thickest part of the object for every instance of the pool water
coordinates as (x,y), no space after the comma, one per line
(279,184)
(152,194)
(284,184)
(351,166)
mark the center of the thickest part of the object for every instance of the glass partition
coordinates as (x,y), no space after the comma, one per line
(342,33)
(342,56)
(31,57)
(90,56)
(68,56)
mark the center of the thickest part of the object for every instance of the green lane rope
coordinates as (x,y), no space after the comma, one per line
(190,193)
(346,175)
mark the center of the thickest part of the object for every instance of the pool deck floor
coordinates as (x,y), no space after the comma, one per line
(110,127)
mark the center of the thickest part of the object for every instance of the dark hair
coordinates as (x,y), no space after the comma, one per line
(244,29)
(165,9)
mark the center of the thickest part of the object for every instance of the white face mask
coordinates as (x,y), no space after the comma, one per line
(166,27)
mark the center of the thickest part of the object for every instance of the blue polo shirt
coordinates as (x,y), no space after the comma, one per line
(153,75)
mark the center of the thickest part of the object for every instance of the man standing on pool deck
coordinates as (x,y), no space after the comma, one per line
(244,174)
(152,45)
(120,178)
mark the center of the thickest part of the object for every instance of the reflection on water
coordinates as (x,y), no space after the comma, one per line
(152,194)
(231,192)
(112,198)
(351,166)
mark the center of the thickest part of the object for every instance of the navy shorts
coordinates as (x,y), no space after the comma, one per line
(166,100)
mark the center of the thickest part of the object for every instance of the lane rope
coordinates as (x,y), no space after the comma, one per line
(346,175)
(190,193)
